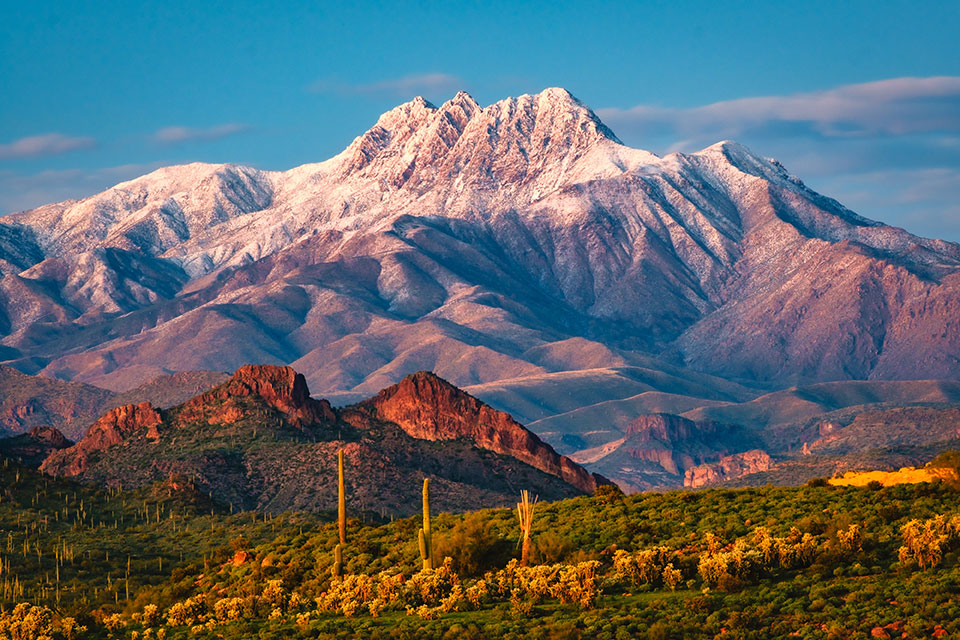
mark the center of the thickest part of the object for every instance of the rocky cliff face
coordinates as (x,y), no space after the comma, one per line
(117,426)
(430,408)
(280,388)
(727,468)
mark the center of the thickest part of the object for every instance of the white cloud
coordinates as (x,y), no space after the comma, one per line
(403,87)
(890,150)
(48,144)
(897,106)
(177,135)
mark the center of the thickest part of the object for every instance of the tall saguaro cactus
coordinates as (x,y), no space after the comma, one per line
(425,539)
(525,513)
(342,501)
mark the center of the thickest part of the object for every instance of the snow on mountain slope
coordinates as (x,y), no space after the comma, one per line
(468,240)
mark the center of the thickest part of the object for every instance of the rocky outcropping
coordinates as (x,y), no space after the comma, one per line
(430,408)
(116,426)
(281,388)
(728,468)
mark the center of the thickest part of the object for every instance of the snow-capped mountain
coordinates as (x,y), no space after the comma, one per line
(485,244)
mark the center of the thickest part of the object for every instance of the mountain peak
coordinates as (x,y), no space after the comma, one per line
(131,421)
(557,109)
(462,238)
(281,388)
(561,98)
(409,112)
(429,408)
(515,141)
(463,100)
(557,93)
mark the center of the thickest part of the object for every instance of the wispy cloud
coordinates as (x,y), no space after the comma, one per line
(19,192)
(178,135)
(889,149)
(48,144)
(403,87)
(897,106)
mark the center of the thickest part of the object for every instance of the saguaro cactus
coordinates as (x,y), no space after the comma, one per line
(425,539)
(525,512)
(337,569)
(342,501)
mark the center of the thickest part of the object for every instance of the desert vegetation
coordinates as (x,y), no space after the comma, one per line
(167,563)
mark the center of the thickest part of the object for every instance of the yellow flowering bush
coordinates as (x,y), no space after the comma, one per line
(27,622)
(925,542)
(575,583)
(227,609)
(644,567)
(151,615)
(850,539)
(186,613)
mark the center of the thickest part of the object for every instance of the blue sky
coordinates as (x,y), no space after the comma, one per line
(860,99)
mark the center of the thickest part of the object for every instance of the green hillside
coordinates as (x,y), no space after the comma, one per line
(164,562)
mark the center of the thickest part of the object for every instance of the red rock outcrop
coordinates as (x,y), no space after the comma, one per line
(281,388)
(119,424)
(728,468)
(430,408)
(385,464)
(49,436)
(115,426)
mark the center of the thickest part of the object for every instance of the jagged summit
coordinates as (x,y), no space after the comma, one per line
(418,145)
(280,388)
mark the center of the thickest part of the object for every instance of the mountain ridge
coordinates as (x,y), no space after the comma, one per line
(260,441)
(429,408)
(471,241)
